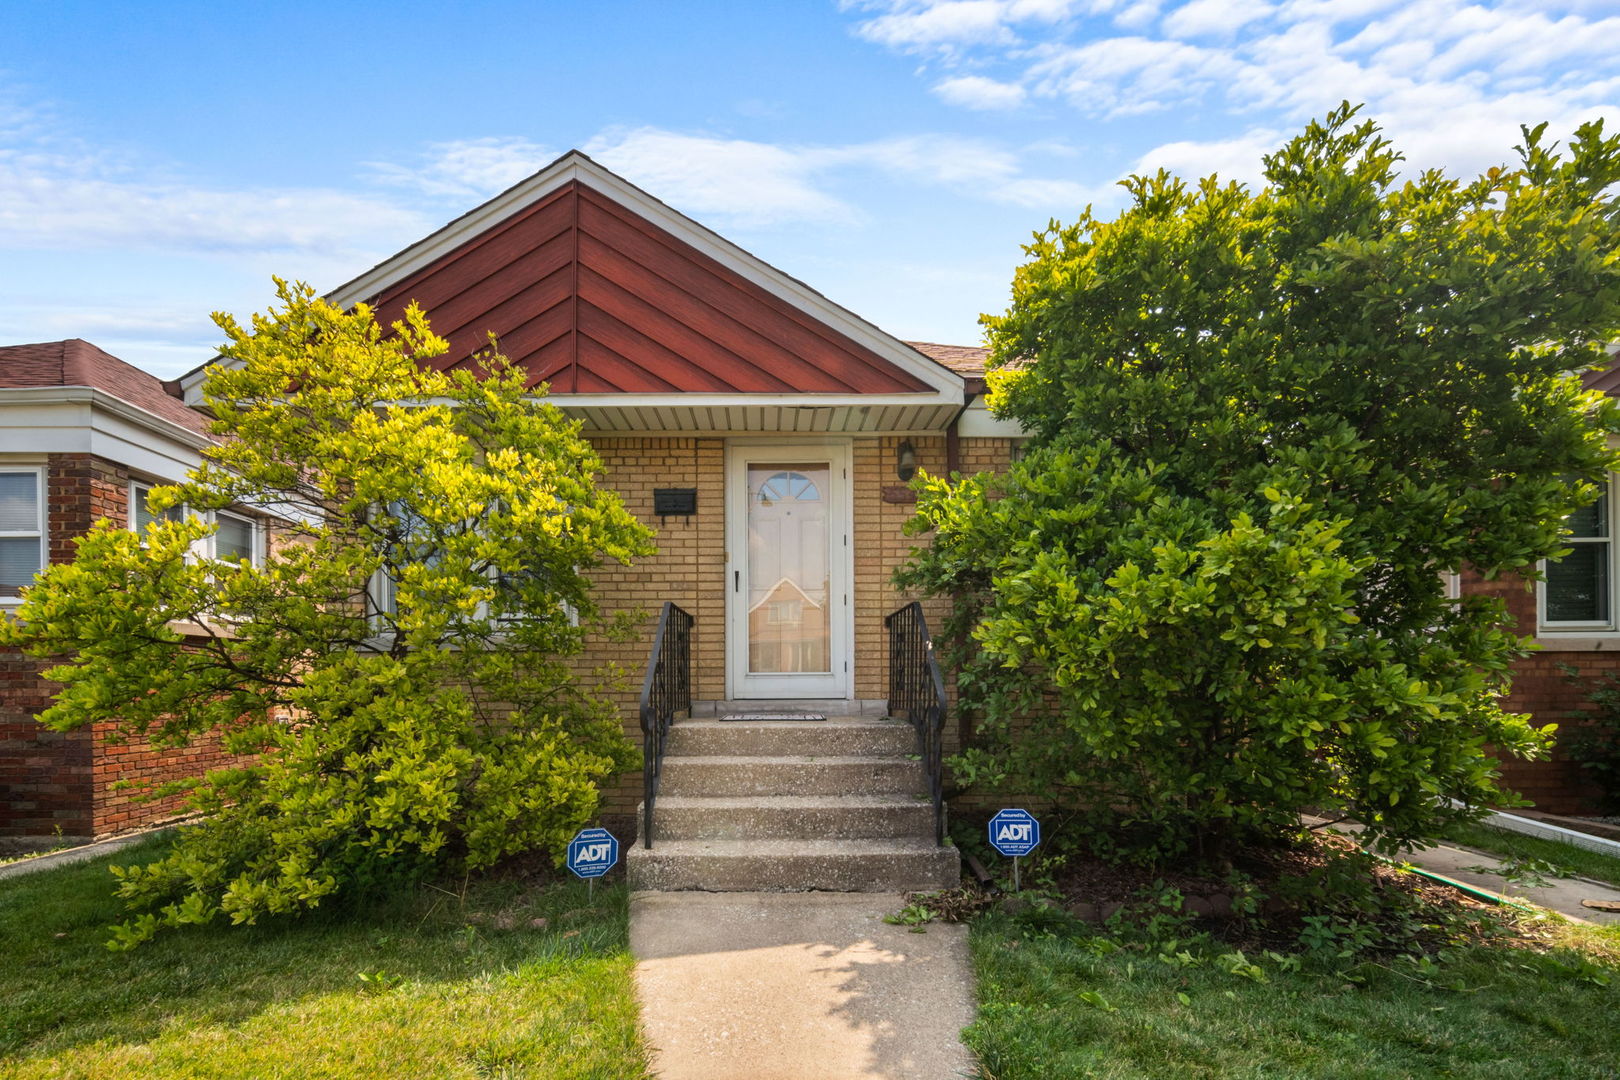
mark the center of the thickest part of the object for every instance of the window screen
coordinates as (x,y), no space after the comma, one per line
(1578,587)
(22,530)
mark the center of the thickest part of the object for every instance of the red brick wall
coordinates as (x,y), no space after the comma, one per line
(1541,689)
(53,780)
(133,760)
(44,775)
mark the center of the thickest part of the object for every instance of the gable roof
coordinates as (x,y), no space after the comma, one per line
(76,362)
(600,289)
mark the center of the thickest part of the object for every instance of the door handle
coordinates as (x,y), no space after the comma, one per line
(736,581)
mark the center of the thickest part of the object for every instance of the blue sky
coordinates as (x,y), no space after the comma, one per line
(160,161)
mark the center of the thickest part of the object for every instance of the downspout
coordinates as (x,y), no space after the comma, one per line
(971,389)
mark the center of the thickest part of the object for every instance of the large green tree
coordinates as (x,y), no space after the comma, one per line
(1265,423)
(396,671)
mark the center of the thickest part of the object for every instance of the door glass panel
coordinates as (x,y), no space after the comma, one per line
(788,548)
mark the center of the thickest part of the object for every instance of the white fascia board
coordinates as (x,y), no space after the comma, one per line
(84,420)
(979,423)
(576,166)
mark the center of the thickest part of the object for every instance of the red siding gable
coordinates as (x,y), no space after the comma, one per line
(594,298)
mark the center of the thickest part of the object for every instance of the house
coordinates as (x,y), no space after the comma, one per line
(83,436)
(763,431)
(1574,619)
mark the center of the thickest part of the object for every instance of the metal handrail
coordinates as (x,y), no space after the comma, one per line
(665,691)
(917,694)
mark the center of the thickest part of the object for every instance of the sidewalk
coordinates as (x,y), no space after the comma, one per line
(1563,895)
(799,986)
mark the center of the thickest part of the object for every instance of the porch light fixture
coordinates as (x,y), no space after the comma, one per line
(905,462)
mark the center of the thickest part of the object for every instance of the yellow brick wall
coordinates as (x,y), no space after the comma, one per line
(690,568)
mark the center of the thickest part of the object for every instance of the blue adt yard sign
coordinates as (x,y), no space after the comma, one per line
(592,853)
(1014,832)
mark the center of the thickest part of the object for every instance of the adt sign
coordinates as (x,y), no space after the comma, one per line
(592,853)
(1014,832)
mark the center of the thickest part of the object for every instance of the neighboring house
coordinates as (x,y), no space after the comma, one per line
(83,436)
(763,431)
(1574,618)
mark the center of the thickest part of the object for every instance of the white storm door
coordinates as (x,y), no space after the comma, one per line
(788,614)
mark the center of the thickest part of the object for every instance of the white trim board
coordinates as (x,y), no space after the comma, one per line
(83,420)
(1530,827)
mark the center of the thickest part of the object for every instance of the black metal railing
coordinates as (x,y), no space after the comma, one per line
(666,691)
(917,694)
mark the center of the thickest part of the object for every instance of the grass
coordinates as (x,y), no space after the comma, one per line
(1056,1004)
(1507,845)
(405,987)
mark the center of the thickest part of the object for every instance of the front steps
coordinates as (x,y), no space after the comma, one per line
(791,806)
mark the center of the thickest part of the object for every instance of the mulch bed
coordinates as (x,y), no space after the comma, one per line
(1093,891)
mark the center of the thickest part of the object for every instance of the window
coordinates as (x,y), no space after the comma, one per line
(1578,591)
(237,538)
(22,528)
(140,516)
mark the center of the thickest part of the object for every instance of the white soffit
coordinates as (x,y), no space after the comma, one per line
(741,416)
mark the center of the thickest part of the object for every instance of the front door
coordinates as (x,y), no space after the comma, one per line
(788,570)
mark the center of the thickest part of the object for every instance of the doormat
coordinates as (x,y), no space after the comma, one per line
(773,716)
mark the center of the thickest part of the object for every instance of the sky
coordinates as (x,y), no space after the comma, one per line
(161,161)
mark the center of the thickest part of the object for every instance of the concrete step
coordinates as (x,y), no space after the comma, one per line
(853,737)
(785,817)
(725,776)
(896,865)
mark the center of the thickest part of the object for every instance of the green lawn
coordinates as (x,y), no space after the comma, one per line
(442,996)
(1509,845)
(1049,997)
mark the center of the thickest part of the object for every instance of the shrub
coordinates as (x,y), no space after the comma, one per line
(396,672)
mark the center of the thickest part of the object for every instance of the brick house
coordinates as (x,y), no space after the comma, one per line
(83,436)
(764,432)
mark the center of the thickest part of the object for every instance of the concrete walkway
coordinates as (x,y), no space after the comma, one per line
(1563,895)
(68,856)
(798,986)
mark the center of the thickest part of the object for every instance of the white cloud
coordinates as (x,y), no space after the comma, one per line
(1450,80)
(1125,76)
(1214,17)
(978,92)
(947,26)
(740,183)
(744,183)
(1236,158)
(468,167)
(68,197)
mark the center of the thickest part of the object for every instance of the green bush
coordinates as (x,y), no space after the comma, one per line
(1264,424)
(396,673)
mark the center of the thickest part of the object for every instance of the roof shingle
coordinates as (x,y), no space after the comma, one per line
(76,362)
(966,360)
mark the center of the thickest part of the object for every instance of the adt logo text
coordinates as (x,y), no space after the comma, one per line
(592,852)
(1014,832)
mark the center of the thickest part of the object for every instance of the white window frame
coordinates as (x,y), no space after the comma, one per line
(255,537)
(1588,628)
(43,520)
(203,550)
